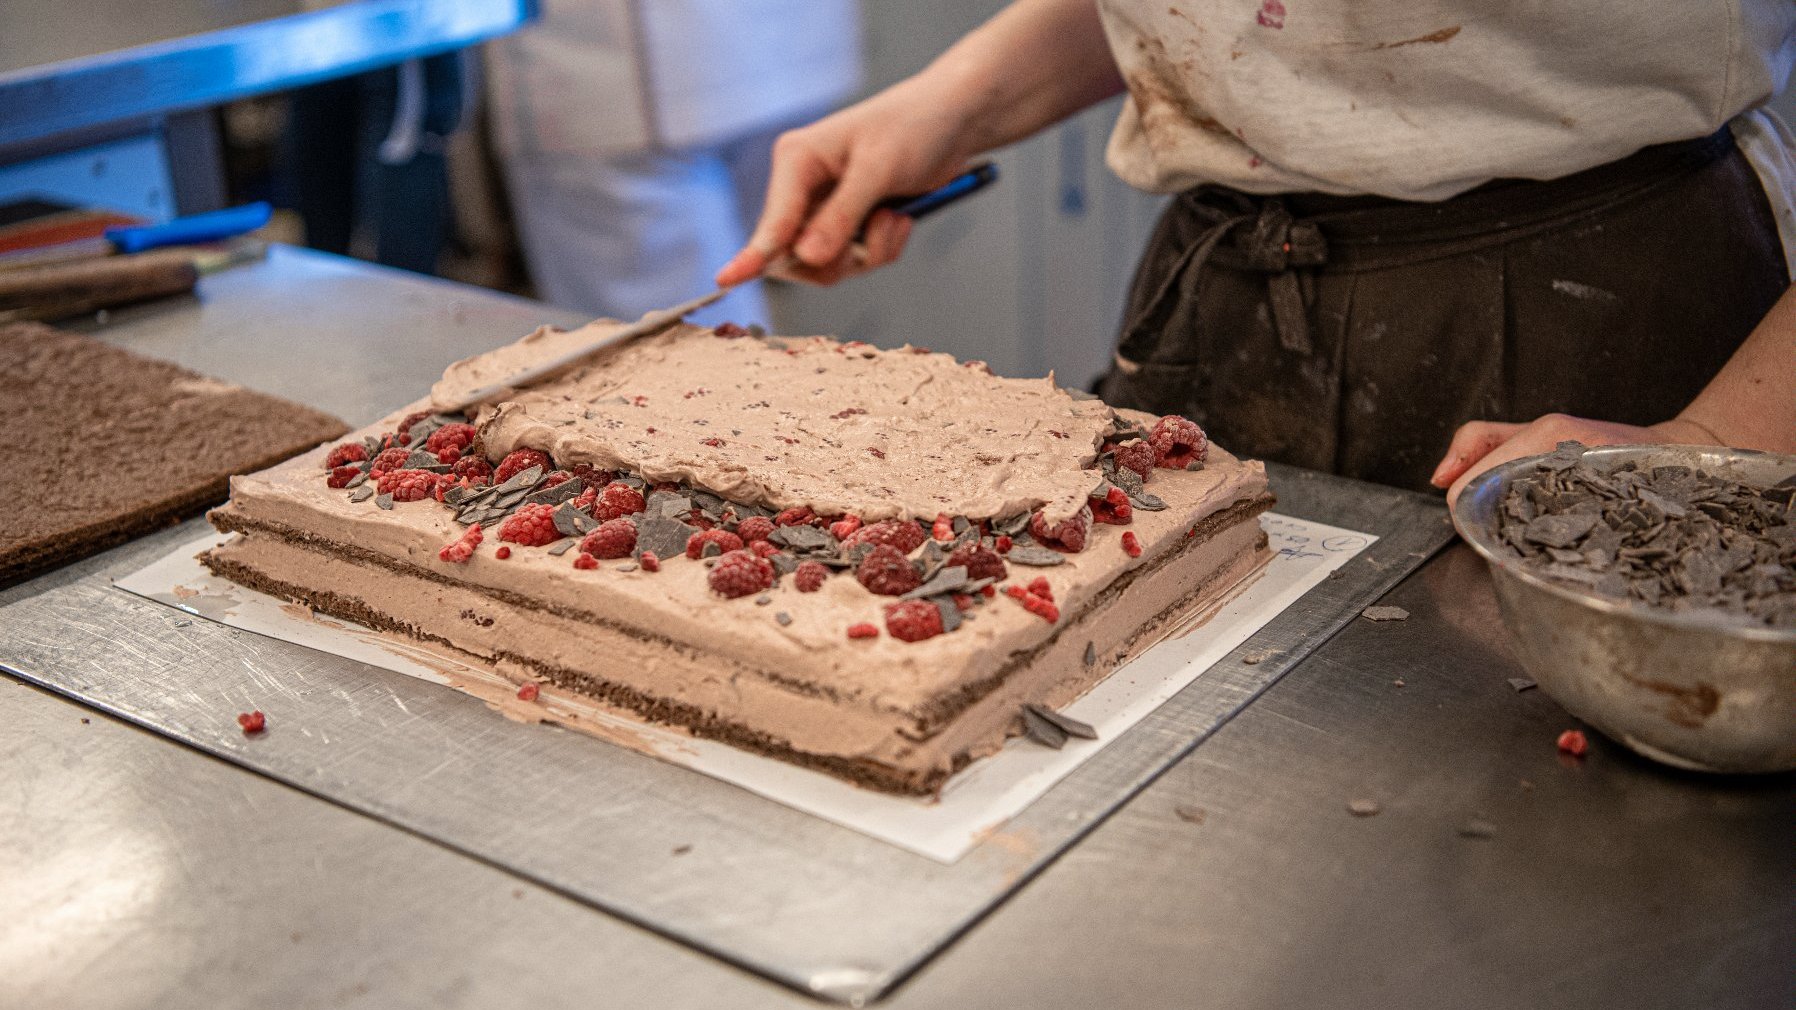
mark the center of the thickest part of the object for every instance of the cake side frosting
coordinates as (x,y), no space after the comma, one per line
(784,422)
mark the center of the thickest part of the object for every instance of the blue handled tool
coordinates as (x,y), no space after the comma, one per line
(965,184)
(191,230)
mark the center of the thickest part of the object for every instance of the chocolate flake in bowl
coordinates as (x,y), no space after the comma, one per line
(1670,536)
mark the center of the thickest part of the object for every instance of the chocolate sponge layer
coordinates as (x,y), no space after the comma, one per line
(101,445)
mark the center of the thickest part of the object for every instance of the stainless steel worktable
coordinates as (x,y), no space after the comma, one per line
(140,873)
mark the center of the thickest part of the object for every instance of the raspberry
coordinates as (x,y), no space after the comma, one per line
(1003,544)
(594,478)
(901,534)
(586,562)
(1066,536)
(844,528)
(408,485)
(613,539)
(943,527)
(809,576)
(696,517)
(887,572)
(649,562)
(1178,442)
(404,431)
(450,436)
(341,476)
(764,548)
(556,478)
(730,331)
(459,551)
(1572,742)
(528,690)
(1131,544)
(913,620)
(390,459)
(616,501)
(979,561)
(252,722)
(1038,586)
(1037,605)
(863,630)
(740,573)
(1114,509)
(1137,456)
(348,452)
(502,553)
(473,467)
(798,515)
(725,541)
(989,591)
(519,460)
(530,526)
(754,528)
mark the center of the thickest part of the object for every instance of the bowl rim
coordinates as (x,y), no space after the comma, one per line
(1474,517)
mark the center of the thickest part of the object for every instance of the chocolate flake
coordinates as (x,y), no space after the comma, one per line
(560,547)
(361,494)
(763,600)
(1066,723)
(784,619)
(1364,808)
(783,563)
(663,535)
(1520,684)
(1478,827)
(555,494)
(949,580)
(951,615)
(385,501)
(1041,730)
(357,481)
(1091,654)
(803,538)
(1148,502)
(1385,614)
(1033,554)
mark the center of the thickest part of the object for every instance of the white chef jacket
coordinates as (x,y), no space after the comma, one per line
(1424,99)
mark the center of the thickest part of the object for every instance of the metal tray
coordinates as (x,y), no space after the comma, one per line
(799,900)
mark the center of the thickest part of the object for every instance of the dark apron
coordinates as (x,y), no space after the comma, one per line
(1354,334)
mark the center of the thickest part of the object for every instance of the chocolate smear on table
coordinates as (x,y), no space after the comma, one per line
(1674,537)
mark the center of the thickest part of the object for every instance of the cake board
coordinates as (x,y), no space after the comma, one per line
(797,899)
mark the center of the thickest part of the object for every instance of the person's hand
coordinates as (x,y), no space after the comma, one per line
(827,177)
(1479,445)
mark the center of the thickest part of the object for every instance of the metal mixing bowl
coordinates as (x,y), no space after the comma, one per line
(1695,689)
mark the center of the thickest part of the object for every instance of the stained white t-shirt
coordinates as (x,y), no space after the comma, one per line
(1425,99)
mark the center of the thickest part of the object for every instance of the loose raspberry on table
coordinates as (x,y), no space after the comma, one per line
(252,722)
(1113,509)
(863,630)
(460,550)
(348,452)
(388,460)
(530,526)
(913,620)
(519,460)
(754,528)
(616,501)
(725,541)
(809,576)
(1178,442)
(408,485)
(614,539)
(980,562)
(740,573)
(1137,456)
(528,690)
(844,527)
(450,441)
(764,548)
(1040,587)
(1066,536)
(341,476)
(1131,544)
(1572,742)
(797,515)
(649,562)
(473,468)
(902,534)
(585,561)
(887,572)
(943,527)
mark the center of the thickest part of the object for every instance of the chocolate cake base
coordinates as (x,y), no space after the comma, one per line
(105,445)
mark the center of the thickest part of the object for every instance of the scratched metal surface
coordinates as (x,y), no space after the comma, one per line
(773,890)
(143,873)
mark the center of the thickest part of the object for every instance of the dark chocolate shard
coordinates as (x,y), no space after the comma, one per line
(1385,614)
(1091,654)
(944,605)
(1034,555)
(357,481)
(1560,530)
(567,490)
(1011,525)
(523,481)
(1148,501)
(562,546)
(784,619)
(1041,730)
(419,460)
(803,538)
(1066,723)
(361,494)
(385,501)
(783,563)
(665,536)
(1520,684)
(951,579)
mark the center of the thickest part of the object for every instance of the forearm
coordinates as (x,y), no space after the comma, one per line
(1035,63)
(1751,402)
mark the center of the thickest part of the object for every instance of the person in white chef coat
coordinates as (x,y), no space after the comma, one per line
(635,136)
(1409,240)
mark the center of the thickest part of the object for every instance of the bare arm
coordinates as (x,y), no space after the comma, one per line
(1034,63)
(1750,404)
